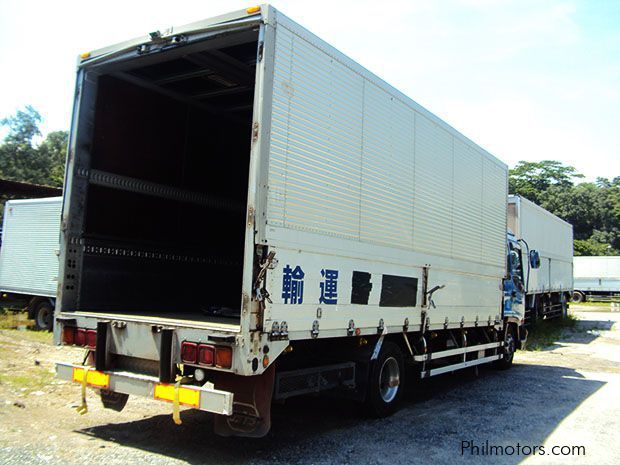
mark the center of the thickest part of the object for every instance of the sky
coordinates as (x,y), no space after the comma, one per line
(525,79)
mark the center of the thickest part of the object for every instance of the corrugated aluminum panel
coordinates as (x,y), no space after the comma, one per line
(433,213)
(494,224)
(387,170)
(467,238)
(350,158)
(30,243)
(316,137)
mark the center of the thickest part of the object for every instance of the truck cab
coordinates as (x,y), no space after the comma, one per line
(514,284)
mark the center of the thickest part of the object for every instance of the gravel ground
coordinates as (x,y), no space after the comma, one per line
(566,395)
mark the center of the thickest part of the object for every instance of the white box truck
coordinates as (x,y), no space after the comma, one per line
(596,278)
(249,214)
(548,289)
(29,257)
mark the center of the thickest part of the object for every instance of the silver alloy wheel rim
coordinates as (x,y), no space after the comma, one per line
(389,379)
(43,315)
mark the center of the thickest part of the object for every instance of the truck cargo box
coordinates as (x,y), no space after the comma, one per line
(597,275)
(551,237)
(230,136)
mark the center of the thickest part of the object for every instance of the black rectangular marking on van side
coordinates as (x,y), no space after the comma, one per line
(360,287)
(398,291)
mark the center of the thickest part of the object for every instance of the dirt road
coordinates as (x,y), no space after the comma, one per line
(566,395)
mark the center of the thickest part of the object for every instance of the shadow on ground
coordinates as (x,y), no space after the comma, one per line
(524,404)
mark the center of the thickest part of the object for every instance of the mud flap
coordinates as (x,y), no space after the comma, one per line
(251,407)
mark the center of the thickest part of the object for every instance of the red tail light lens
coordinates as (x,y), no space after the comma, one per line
(68,335)
(80,337)
(206,355)
(91,338)
(189,352)
(223,357)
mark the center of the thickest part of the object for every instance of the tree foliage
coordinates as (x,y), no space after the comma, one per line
(593,208)
(22,160)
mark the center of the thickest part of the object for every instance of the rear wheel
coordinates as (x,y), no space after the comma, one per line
(578,297)
(386,383)
(44,316)
(509,349)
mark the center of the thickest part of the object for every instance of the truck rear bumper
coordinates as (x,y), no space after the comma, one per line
(199,397)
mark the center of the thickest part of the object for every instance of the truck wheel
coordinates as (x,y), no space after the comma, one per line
(113,400)
(43,316)
(386,383)
(510,346)
(564,305)
(578,297)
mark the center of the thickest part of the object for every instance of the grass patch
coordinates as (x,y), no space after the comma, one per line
(10,319)
(545,333)
(38,380)
(43,337)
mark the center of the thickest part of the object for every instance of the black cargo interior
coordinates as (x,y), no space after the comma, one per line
(164,220)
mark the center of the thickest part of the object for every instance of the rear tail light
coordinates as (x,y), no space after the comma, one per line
(223,357)
(206,355)
(68,335)
(91,338)
(80,337)
(189,352)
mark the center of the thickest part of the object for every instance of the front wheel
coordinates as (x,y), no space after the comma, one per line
(386,383)
(510,346)
(564,305)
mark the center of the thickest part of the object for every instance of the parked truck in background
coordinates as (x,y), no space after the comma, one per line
(596,278)
(547,289)
(323,229)
(29,257)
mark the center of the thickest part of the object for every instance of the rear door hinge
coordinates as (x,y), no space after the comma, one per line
(255,128)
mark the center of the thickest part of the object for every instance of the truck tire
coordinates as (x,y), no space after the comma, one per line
(386,382)
(564,305)
(43,316)
(578,297)
(113,400)
(510,346)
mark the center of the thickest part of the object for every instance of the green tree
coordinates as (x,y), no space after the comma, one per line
(592,208)
(22,160)
(532,179)
(590,247)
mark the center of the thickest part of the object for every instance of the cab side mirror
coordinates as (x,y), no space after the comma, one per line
(534,259)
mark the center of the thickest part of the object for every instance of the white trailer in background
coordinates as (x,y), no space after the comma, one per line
(29,257)
(548,288)
(596,278)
